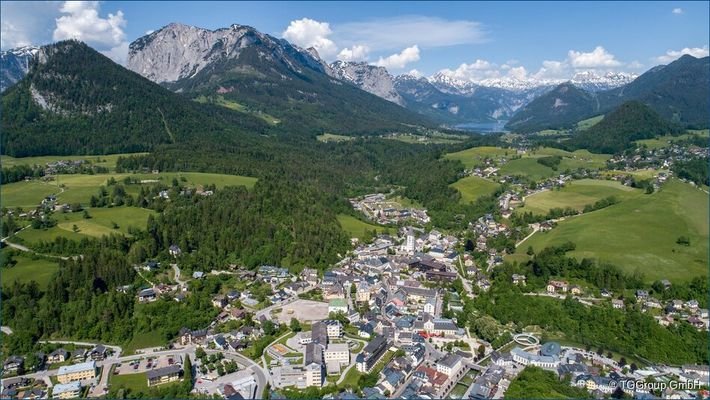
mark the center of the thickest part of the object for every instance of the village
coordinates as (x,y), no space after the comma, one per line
(385,312)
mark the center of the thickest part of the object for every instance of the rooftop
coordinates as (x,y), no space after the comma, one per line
(68,369)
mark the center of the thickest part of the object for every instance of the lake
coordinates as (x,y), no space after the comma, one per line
(483,127)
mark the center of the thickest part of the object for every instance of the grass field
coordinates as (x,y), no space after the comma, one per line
(666,141)
(108,161)
(143,340)
(589,122)
(473,187)
(641,232)
(78,188)
(354,227)
(406,202)
(233,105)
(100,223)
(475,155)
(25,194)
(28,269)
(641,174)
(134,382)
(528,166)
(329,137)
(577,194)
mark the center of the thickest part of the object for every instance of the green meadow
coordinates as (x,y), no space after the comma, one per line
(473,187)
(640,233)
(356,228)
(27,269)
(474,156)
(577,194)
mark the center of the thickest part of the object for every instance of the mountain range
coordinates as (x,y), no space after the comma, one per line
(280,88)
(677,92)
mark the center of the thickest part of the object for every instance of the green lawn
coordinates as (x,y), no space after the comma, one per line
(473,187)
(134,382)
(108,161)
(577,194)
(233,105)
(28,269)
(474,156)
(329,137)
(589,122)
(143,340)
(666,141)
(25,194)
(356,228)
(528,166)
(78,188)
(641,232)
(100,223)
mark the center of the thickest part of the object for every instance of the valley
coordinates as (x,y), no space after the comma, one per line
(230,213)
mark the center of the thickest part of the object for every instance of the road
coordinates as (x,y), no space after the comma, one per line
(535,229)
(259,375)
(587,301)
(352,361)
(177,275)
(466,283)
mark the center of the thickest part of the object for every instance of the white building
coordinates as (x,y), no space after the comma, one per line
(524,358)
(449,365)
(70,390)
(337,352)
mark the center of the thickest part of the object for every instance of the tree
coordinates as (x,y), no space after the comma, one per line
(187,367)
(622,362)
(268,327)
(86,214)
(200,353)
(633,367)
(295,325)
(481,351)
(530,251)
(75,228)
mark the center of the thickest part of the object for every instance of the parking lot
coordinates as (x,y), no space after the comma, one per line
(146,364)
(304,311)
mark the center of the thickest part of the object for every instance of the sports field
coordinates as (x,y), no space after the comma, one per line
(641,233)
(577,194)
(473,187)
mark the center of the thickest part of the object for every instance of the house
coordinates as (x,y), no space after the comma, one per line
(174,250)
(187,336)
(219,301)
(71,390)
(220,342)
(557,286)
(702,370)
(606,293)
(338,305)
(518,279)
(80,354)
(198,275)
(13,365)
(575,290)
(641,295)
(372,353)
(618,304)
(450,364)
(77,372)
(337,353)
(430,306)
(147,295)
(521,356)
(164,375)
(57,356)
(98,353)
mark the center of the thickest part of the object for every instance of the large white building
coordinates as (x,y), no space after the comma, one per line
(410,244)
(449,365)
(521,356)
(337,352)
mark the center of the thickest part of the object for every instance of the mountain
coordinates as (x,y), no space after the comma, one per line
(372,79)
(560,107)
(245,69)
(627,123)
(75,100)
(14,65)
(592,82)
(677,91)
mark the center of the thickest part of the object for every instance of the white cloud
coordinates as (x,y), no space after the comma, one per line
(386,34)
(400,60)
(677,11)
(355,53)
(27,22)
(307,33)
(553,70)
(475,71)
(672,55)
(597,58)
(415,73)
(81,20)
(518,73)
(635,65)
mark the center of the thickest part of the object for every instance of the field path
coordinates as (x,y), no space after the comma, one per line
(535,229)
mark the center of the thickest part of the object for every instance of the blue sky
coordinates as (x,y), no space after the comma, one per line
(467,40)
